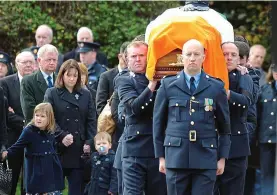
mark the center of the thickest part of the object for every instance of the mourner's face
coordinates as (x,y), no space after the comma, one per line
(25,64)
(103,144)
(193,58)
(243,60)
(3,70)
(48,62)
(137,58)
(231,55)
(70,78)
(88,57)
(84,36)
(256,57)
(274,74)
(43,37)
(41,120)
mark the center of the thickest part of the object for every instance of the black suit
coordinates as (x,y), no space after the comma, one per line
(11,89)
(105,88)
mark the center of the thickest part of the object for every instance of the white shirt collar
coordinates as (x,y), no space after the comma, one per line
(19,77)
(119,68)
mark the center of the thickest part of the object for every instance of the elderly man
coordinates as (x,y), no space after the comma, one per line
(186,111)
(43,36)
(240,99)
(137,95)
(256,59)
(24,62)
(5,65)
(85,34)
(34,86)
(88,52)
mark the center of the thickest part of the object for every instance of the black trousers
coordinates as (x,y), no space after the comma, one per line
(231,182)
(267,155)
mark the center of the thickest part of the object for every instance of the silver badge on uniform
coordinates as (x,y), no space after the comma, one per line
(77,96)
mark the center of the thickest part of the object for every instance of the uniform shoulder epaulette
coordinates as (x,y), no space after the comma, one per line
(103,66)
(168,76)
(216,79)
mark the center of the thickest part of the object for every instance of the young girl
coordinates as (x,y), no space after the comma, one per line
(42,166)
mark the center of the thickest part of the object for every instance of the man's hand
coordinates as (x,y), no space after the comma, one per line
(162,165)
(4,155)
(220,166)
(228,94)
(67,140)
(110,193)
(243,70)
(11,110)
(152,85)
(86,148)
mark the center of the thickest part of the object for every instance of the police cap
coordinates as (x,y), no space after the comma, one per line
(5,58)
(87,46)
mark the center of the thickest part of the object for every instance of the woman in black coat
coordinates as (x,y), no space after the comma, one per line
(75,120)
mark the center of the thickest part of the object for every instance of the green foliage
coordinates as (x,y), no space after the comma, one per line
(112,22)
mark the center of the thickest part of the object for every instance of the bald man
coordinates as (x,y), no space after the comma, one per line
(257,55)
(85,34)
(185,136)
(24,62)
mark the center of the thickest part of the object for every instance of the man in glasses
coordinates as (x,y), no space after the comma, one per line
(24,62)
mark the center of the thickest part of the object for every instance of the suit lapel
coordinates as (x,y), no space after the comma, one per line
(180,82)
(16,85)
(203,83)
(41,82)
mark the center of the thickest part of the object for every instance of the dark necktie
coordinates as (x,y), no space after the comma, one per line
(50,84)
(192,85)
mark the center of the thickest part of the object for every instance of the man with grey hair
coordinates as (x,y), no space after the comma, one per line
(34,86)
(85,34)
(11,87)
(44,35)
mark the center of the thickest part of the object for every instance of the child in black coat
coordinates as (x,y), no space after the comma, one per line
(103,175)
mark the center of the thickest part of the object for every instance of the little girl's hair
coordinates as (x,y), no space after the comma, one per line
(47,108)
(103,136)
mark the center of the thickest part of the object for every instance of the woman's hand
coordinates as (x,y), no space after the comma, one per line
(86,148)
(4,155)
(68,140)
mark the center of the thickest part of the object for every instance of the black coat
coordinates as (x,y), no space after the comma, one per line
(74,114)
(3,118)
(43,171)
(11,88)
(105,88)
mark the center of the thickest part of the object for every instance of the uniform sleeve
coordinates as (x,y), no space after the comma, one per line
(223,123)
(21,143)
(102,94)
(129,96)
(91,122)
(59,133)
(244,97)
(160,120)
(27,98)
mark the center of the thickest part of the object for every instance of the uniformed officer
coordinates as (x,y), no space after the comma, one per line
(5,65)
(240,98)
(185,135)
(267,120)
(88,52)
(137,94)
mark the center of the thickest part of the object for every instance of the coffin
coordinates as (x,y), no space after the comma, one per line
(170,64)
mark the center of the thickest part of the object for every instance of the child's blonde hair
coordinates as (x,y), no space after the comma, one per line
(47,108)
(103,136)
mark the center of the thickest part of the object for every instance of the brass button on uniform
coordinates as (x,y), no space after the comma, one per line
(238,132)
(193,98)
(192,123)
(142,107)
(234,103)
(176,104)
(269,141)
(272,113)
(192,110)
(137,132)
(212,145)
(270,127)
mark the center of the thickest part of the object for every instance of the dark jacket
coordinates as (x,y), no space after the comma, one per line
(32,92)
(105,88)
(74,114)
(103,175)
(11,88)
(241,90)
(3,118)
(178,113)
(267,113)
(94,72)
(43,171)
(138,101)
